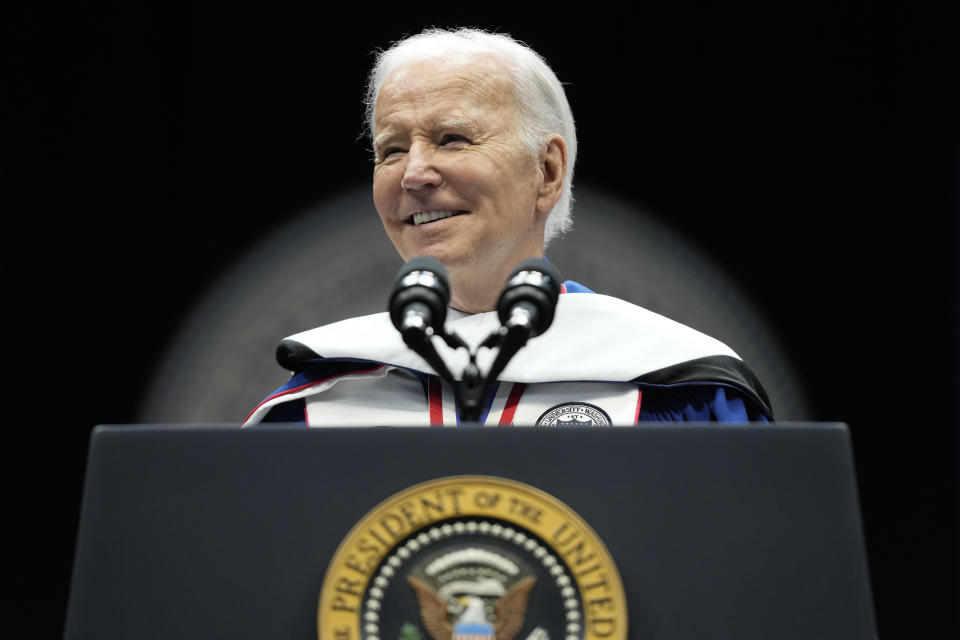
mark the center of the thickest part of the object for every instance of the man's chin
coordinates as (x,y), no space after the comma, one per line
(450,257)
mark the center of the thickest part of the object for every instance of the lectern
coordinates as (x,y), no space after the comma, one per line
(676,531)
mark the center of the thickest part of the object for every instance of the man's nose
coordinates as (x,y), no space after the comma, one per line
(420,171)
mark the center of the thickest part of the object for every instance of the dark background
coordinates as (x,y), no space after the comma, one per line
(812,152)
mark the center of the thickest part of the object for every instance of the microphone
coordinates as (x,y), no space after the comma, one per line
(526,309)
(420,295)
(418,308)
(529,299)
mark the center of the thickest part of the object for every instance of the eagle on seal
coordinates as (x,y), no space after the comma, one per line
(508,616)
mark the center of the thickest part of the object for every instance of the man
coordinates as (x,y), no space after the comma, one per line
(474,147)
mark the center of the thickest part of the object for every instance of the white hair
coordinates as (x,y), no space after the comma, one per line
(541,103)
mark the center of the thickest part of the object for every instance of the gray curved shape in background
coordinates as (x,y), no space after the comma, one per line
(335,262)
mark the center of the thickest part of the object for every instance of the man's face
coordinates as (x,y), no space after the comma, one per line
(452,180)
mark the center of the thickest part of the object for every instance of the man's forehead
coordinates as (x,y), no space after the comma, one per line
(444,63)
(444,88)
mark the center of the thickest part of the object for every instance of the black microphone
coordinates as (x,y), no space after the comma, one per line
(529,299)
(420,295)
(418,308)
(526,309)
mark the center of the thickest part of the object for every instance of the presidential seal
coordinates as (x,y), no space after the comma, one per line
(472,558)
(574,414)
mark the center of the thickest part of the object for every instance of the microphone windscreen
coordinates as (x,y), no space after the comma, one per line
(533,282)
(421,283)
(552,279)
(423,263)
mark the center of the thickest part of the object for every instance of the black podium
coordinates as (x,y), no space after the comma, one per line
(715,531)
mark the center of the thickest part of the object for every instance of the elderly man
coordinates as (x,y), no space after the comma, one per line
(474,147)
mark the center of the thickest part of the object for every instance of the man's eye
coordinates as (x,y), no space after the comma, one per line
(389,151)
(452,138)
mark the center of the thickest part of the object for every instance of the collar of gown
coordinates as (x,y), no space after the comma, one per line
(593,337)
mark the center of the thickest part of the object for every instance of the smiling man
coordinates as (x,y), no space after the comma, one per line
(452,177)
(474,147)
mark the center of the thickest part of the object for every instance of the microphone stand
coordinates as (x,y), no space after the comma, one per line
(417,334)
(471,394)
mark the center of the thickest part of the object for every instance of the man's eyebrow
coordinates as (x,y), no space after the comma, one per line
(383,138)
(462,124)
(455,123)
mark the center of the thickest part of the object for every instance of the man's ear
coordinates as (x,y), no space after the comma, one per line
(553,170)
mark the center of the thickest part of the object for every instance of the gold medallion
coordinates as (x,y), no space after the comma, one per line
(472,558)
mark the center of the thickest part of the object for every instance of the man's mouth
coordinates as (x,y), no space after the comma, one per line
(423,217)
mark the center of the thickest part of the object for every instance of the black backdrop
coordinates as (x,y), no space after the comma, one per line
(813,153)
